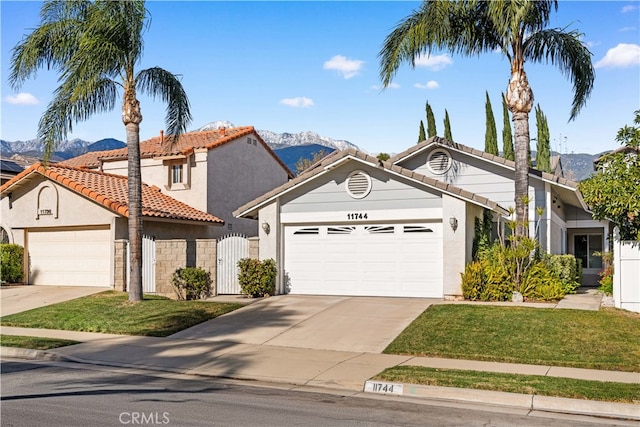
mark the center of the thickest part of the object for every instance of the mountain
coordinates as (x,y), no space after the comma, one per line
(106,144)
(578,167)
(280,140)
(291,154)
(66,149)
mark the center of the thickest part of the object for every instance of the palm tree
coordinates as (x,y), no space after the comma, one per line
(517,29)
(95,48)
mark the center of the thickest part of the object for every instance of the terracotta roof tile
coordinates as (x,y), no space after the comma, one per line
(166,145)
(111,191)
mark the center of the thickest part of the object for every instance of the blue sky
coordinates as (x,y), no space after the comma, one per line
(313,66)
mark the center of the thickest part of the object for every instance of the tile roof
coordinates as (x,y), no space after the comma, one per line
(165,145)
(111,191)
(435,140)
(338,156)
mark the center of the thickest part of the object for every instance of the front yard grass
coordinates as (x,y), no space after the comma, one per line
(525,384)
(607,339)
(35,343)
(111,312)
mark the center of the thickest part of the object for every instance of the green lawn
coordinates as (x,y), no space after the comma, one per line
(111,312)
(35,343)
(525,384)
(606,339)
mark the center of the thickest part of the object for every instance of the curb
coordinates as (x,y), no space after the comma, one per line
(593,408)
(30,354)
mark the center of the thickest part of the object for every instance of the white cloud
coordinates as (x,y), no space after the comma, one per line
(626,29)
(630,8)
(431,84)
(23,98)
(299,102)
(434,63)
(623,55)
(343,65)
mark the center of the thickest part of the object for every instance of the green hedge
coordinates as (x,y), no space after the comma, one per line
(11,263)
(257,278)
(191,283)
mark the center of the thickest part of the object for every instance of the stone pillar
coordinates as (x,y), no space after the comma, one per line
(120,266)
(206,258)
(170,255)
(254,247)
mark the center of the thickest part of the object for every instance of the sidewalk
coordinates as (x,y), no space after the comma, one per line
(347,371)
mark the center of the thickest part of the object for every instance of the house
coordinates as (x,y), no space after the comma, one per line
(73,223)
(8,169)
(354,225)
(213,171)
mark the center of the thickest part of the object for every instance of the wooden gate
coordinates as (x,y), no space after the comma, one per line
(230,249)
(148,264)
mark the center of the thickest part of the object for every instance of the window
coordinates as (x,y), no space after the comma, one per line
(585,247)
(176,174)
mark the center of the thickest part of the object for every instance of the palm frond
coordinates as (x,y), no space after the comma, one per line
(566,51)
(160,83)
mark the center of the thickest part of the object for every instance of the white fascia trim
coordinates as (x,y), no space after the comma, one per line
(373,216)
(346,158)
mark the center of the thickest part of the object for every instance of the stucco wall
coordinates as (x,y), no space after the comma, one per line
(239,172)
(456,249)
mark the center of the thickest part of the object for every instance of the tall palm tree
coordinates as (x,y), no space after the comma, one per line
(95,48)
(517,28)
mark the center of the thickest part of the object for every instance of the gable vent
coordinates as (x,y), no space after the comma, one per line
(439,161)
(358,184)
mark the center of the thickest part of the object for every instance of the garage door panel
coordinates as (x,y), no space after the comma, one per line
(69,257)
(366,260)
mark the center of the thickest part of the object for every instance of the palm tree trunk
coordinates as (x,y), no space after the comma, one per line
(132,117)
(521,128)
(135,212)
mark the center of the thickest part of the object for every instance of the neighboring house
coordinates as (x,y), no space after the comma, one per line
(214,171)
(8,169)
(354,225)
(73,223)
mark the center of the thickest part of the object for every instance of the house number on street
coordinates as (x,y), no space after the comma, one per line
(359,215)
(383,388)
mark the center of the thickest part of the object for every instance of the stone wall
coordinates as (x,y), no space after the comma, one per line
(170,255)
(120,266)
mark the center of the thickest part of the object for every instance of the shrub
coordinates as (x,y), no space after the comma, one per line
(606,275)
(257,278)
(11,263)
(568,269)
(191,283)
(473,282)
(542,284)
(487,279)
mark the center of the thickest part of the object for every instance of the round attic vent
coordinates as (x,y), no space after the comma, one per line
(439,161)
(358,184)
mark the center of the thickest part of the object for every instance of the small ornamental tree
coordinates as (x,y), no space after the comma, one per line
(491,134)
(614,192)
(431,122)
(447,126)
(421,135)
(543,150)
(507,135)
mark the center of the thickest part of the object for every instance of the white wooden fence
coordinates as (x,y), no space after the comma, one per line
(626,273)
(230,249)
(148,264)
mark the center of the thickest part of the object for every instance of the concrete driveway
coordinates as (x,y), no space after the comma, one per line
(14,299)
(357,324)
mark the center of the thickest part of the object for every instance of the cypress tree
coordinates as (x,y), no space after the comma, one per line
(507,136)
(447,126)
(431,122)
(421,136)
(543,155)
(491,134)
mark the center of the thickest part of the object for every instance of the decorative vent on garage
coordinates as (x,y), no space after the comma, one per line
(311,230)
(358,184)
(439,161)
(380,229)
(417,229)
(340,230)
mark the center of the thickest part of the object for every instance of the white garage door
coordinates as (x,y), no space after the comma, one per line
(403,260)
(69,257)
